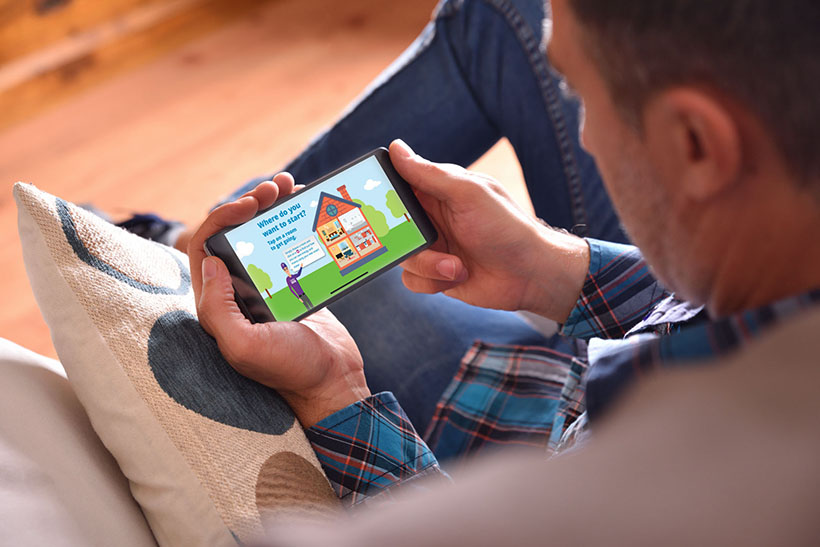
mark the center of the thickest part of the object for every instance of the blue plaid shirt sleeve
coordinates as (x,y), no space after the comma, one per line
(369,447)
(618,293)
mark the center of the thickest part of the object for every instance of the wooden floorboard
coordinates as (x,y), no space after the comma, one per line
(176,134)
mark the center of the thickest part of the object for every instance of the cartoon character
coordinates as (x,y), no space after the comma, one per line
(295,287)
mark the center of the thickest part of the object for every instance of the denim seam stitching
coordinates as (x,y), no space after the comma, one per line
(549,94)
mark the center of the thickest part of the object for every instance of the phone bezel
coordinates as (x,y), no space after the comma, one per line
(250,300)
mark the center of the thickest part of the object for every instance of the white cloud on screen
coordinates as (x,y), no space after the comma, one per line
(370,184)
(244,248)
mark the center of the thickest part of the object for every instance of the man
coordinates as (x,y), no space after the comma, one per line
(438,98)
(699,118)
(295,287)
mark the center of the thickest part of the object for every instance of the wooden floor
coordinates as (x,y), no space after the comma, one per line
(176,134)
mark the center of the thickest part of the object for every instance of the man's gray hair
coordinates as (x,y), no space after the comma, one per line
(763,53)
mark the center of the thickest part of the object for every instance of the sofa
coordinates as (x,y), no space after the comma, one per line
(58,483)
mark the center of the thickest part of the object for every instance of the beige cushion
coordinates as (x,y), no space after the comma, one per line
(58,483)
(208,452)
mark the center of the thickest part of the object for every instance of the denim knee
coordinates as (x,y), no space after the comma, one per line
(532,12)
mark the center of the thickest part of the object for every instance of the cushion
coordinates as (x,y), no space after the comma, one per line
(209,453)
(58,483)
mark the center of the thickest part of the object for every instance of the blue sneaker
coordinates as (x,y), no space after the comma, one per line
(154,228)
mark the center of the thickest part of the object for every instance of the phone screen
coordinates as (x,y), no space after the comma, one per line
(328,238)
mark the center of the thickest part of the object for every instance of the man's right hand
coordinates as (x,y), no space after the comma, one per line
(490,253)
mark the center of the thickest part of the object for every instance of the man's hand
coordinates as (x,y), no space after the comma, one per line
(314,364)
(490,253)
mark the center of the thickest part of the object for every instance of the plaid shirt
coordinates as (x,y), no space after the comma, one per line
(369,447)
(623,326)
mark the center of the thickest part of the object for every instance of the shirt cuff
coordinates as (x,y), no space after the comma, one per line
(618,292)
(369,447)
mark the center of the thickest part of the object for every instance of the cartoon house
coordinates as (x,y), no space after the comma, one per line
(345,232)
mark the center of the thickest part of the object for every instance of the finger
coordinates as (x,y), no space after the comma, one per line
(433,208)
(218,312)
(266,193)
(425,285)
(229,214)
(443,181)
(282,184)
(285,183)
(438,266)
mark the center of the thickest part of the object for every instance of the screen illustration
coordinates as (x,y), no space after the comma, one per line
(331,237)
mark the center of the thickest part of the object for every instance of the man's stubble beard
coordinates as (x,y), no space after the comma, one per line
(643,208)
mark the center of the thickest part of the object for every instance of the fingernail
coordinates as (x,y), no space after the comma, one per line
(208,269)
(404,148)
(447,268)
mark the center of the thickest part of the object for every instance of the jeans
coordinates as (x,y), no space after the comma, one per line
(474,75)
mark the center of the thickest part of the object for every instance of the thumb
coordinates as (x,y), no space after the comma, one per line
(218,312)
(442,181)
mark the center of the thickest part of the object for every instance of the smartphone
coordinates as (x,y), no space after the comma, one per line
(319,244)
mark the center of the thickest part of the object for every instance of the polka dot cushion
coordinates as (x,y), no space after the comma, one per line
(210,454)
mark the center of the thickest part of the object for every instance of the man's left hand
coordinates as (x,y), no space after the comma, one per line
(314,364)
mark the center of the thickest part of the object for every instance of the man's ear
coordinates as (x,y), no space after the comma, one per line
(694,142)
